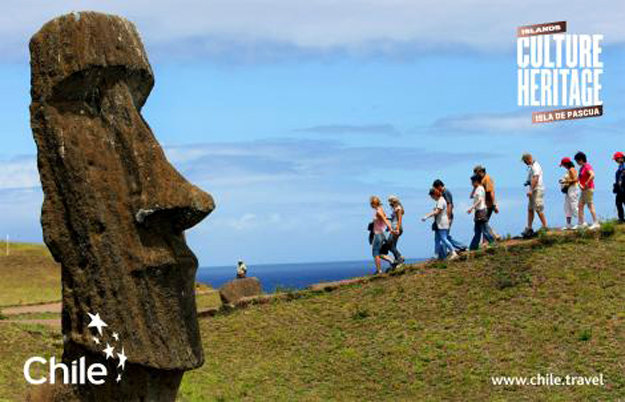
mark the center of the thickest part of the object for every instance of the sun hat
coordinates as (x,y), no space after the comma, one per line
(393,198)
(565,160)
(618,155)
(478,168)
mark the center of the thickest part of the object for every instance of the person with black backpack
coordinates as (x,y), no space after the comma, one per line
(619,185)
(379,244)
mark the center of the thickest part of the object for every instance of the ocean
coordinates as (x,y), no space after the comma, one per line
(290,276)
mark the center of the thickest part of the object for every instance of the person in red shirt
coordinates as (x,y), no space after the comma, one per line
(587,185)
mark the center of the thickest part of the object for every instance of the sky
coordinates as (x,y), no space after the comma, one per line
(291,114)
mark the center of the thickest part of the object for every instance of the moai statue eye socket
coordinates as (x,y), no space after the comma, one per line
(115,210)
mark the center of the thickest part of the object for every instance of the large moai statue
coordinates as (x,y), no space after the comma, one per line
(115,210)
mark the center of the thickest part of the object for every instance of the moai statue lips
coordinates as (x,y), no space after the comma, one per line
(115,210)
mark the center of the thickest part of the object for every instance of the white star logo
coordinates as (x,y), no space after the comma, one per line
(96,322)
(116,336)
(96,340)
(109,351)
(122,359)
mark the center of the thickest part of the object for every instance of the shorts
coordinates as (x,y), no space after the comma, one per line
(587,196)
(536,201)
(376,246)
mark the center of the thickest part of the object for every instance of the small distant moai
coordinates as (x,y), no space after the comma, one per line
(115,210)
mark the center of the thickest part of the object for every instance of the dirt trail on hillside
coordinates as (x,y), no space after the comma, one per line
(50,322)
(328,286)
(36,308)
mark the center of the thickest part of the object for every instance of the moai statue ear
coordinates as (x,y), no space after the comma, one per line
(115,209)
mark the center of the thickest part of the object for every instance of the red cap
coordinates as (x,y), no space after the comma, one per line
(618,155)
(565,160)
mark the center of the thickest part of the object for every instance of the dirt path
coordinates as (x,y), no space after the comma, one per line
(36,308)
(509,243)
(51,322)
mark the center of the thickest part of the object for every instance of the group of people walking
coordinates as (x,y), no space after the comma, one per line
(483,206)
(577,186)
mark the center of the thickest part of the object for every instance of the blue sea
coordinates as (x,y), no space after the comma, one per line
(291,276)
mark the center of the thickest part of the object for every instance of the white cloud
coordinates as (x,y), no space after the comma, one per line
(297,157)
(246,221)
(356,26)
(20,210)
(487,122)
(18,173)
(357,129)
(513,124)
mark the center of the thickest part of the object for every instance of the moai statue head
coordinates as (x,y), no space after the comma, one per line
(115,210)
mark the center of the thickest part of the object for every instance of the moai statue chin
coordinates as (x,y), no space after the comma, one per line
(115,210)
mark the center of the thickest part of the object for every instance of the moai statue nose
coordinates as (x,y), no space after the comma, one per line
(175,203)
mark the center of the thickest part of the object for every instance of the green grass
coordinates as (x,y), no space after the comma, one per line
(24,248)
(608,228)
(436,334)
(208,300)
(18,342)
(28,275)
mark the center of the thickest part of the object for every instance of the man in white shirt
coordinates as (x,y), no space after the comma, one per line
(535,193)
(241,270)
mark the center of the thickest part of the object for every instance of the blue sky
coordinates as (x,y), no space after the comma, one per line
(291,115)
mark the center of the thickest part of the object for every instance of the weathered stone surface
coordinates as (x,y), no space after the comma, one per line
(115,210)
(235,290)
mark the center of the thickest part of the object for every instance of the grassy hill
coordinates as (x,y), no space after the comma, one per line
(437,332)
(28,275)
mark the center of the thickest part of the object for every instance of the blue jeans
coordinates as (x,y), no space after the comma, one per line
(480,229)
(489,229)
(454,243)
(392,239)
(442,245)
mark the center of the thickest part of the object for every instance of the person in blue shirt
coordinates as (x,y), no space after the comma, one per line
(619,185)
